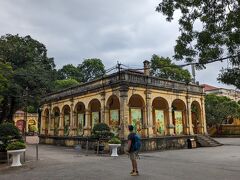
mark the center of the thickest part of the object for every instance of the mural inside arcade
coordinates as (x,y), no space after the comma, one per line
(80,123)
(114,121)
(66,124)
(160,126)
(136,118)
(178,122)
(95,118)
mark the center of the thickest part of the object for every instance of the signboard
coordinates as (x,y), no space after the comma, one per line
(32,139)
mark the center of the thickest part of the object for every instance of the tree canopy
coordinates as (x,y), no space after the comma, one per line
(5,78)
(220,108)
(32,73)
(64,83)
(209,30)
(164,68)
(69,71)
(88,70)
(91,69)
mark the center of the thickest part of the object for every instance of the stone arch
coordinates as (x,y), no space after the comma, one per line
(160,116)
(196,117)
(179,116)
(94,107)
(137,113)
(46,120)
(113,113)
(56,119)
(66,112)
(79,117)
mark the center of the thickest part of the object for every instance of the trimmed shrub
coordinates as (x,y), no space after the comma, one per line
(16,145)
(9,130)
(114,140)
(8,133)
(101,130)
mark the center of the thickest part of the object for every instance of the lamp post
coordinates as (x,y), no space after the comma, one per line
(39,119)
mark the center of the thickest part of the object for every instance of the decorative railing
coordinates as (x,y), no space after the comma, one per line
(128,77)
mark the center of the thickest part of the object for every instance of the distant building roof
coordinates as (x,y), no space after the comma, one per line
(208,87)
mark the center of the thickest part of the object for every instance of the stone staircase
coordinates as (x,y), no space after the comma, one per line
(206,141)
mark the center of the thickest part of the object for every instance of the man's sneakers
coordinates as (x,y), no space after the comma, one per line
(134,173)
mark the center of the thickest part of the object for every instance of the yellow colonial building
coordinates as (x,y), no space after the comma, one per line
(155,107)
(26,122)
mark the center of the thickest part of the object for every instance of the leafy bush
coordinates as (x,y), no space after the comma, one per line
(101,130)
(114,140)
(16,145)
(8,129)
(8,133)
(101,127)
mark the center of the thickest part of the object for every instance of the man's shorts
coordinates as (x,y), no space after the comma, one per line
(133,155)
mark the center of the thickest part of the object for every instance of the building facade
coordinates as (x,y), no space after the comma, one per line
(26,122)
(155,107)
(230,93)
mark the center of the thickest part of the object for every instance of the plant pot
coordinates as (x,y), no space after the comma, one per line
(114,148)
(16,156)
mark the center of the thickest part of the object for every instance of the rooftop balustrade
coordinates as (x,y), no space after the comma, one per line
(127,77)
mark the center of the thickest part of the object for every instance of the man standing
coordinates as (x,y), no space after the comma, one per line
(133,154)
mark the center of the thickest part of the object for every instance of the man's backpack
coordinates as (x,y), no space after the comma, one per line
(137,145)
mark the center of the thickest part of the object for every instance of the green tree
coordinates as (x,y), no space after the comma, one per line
(5,78)
(219,108)
(69,71)
(65,83)
(33,73)
(91,69)
(164,68)
(209,30)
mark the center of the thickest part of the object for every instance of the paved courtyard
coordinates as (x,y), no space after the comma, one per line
(65,163)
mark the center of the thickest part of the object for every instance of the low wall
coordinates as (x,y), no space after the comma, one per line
(148,144)
(228,129)
(225,130)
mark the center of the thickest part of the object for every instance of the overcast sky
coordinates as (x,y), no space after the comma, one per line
(128,31)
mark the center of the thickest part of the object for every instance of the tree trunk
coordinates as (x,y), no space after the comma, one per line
(11,109)
(4,109)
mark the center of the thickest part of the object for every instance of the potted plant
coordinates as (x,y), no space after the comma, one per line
(16,148)
(101,131)
(114,143)
(8,133)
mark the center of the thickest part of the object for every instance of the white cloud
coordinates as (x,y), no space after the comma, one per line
(119,30)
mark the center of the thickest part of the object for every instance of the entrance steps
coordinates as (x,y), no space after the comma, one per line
(206,141)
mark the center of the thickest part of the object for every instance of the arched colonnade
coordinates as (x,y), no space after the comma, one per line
(151,118)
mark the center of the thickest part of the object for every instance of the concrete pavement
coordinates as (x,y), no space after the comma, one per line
(221,162)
